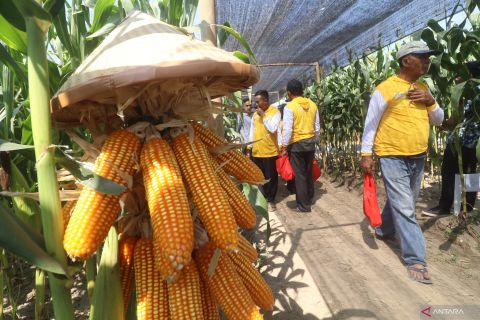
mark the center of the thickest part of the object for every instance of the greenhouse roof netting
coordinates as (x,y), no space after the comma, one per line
(295,31)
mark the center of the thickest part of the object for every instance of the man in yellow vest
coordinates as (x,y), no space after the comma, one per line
(396,132)
(265,148)
(301,126)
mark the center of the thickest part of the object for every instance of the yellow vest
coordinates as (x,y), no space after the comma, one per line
(304,112)
(404,127)
(267,147)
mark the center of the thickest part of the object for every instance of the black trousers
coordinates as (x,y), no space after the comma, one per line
(269,169)
(449,169)
(302,168)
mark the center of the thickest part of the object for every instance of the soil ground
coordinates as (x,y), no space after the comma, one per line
(356,275)
(328,265)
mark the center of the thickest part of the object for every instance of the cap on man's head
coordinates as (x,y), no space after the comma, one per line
(415,47)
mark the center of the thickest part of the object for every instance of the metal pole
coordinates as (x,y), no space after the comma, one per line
(207,16)
(209,35)
(317,71)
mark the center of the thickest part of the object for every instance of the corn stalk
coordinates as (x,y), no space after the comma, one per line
(37,24)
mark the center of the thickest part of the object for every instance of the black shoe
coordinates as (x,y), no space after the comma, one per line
(297,209)
(435,212)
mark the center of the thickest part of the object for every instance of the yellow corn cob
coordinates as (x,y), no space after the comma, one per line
(207,194)
(163,266)
(152,294)
(95,212)
(167,202)
(243,212)
(67,212)
(126,248)
(246,249)
(257,287)
(226,286)
(209,306)
(184,295)
(238,165)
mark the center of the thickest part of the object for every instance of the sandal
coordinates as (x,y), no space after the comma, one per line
(419,269)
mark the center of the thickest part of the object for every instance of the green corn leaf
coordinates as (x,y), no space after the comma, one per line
(54,6)
(128,6)
(16,237)
(259,203)
(477,150)
(457,92)
(8,60)
(242,56)
(26,209)
(222,35)
(32,9)
(132,307)
(435,26)
(240,38)
(107,283)
(12,37)
(102,11)
(60,23)
(10,12)
(113,20)
(87,177)
(10,146)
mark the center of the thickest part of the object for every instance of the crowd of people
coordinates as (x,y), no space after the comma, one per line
(396,132)
(292,131)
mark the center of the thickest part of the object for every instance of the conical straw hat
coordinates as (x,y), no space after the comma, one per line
(144,56)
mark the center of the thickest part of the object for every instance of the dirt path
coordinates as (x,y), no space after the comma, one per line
(360,277)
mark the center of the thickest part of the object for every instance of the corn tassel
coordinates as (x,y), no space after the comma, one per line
(95,212)
(184,295)
(209,306)
(257,287)
(243,212)
(236,164)
(167,202)
(207,194)
(152,294)
(246,249)
(226,286)
(126,249)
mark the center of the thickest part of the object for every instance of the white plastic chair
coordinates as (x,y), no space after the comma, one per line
(472,184)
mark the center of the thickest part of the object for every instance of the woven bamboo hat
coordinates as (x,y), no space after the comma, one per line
(145,66)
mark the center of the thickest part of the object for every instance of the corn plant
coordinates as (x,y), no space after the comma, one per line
(458,45)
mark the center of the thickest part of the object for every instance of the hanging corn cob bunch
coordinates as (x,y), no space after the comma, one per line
(180,184)
(95,212)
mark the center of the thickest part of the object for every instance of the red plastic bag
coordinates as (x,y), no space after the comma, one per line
(316,171)
(284,168)
(370,202)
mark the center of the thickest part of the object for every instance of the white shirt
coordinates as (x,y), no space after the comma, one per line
(270,123)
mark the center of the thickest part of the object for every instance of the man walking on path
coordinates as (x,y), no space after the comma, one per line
(265,148)
(396,131)
(301,126)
